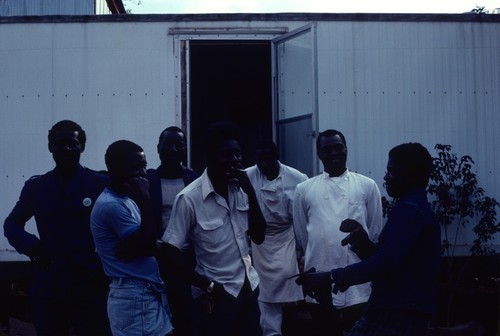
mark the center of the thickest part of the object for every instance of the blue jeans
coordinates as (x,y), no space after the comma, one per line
(136,307)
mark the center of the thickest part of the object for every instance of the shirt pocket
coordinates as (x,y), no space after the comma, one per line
(241,214)
(211,231)
(357,210)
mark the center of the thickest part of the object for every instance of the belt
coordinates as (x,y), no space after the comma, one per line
(133,281)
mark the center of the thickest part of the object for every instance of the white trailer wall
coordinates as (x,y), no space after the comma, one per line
(115,80)
(385,83)
(382,82)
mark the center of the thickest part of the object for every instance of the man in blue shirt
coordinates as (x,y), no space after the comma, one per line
(125,235)
(404,265)
(68,286)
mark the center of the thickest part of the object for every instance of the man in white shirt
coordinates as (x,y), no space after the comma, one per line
(275,259)
(216,214)
(320,205)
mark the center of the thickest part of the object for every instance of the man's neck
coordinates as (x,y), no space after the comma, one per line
(65,172)
(336,172)
(219,184)
(171,171)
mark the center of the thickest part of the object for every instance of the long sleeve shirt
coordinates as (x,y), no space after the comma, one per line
(320,205)
(405,268)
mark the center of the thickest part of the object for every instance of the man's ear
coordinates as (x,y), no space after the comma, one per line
(49,146)
(83,148)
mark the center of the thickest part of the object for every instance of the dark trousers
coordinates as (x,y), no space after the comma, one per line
(224,315)
(391,323)
(328,320)
(180,299)
(75,303)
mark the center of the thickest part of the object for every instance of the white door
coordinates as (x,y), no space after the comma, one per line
(295,98)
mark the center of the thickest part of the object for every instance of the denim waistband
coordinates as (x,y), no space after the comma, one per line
(132,281)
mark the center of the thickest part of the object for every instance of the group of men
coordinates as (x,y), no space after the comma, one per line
(222,253)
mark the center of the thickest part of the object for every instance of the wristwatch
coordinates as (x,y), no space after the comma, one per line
(210,287)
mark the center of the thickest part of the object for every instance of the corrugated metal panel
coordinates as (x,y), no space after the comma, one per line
(387,83)
(436,83)
(89,73)
(46,7)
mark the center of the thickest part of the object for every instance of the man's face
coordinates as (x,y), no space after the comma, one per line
(134,166)
(267,162)
(66,149)
(227,157)
(172,148)
(396,181)
(333,153)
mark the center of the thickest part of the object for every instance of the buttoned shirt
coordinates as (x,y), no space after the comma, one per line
(217,230)
(320,205)
(275,259)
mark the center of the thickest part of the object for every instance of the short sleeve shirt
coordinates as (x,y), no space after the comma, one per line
(217,231)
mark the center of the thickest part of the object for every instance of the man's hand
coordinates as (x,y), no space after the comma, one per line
(238,176)
(138,189)
(214,290)
(39,255)
(317,285)
(337,276)
(357,238)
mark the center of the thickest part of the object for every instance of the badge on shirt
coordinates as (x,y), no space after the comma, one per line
(87,202)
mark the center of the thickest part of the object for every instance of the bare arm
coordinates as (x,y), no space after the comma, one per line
(142,241)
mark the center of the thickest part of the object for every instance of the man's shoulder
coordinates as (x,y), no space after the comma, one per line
(193,188)
(96,178)
(310,182)
(294,172)
(38,180)
(362,178)
(98,174)
(252,170)
(190,174)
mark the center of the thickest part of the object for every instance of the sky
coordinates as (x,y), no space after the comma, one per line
(313,6)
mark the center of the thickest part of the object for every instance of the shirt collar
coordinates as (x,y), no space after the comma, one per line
(206,185)
(344,175)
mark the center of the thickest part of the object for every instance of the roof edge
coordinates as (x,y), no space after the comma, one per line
(402,17)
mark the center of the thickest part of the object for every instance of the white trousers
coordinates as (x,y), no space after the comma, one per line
(271,317)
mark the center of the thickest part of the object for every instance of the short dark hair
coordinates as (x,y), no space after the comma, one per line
(217,133)
(330,133)
(117,152)
(267,144)
(173,129)
(67,125)
(415,161)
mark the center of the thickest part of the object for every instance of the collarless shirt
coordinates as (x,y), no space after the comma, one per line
(217,231)
(320,205)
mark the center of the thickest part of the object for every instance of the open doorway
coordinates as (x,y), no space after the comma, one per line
(230,80)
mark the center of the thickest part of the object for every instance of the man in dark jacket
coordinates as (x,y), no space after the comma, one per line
(68,286)
(165,183)
(404,265)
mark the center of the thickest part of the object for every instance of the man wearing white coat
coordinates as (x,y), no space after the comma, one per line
(275,259)
(320,205)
